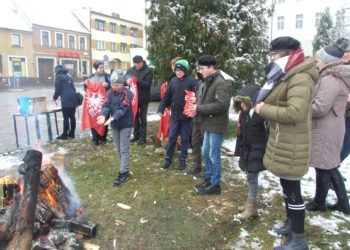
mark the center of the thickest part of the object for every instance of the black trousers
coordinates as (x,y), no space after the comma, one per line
(96,137)
(69,122)
(196,143)
(140,126)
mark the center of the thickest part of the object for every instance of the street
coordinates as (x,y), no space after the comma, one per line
(8,102)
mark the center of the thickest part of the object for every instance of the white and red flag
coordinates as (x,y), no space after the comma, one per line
(95,96)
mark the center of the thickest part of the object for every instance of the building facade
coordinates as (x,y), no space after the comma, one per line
(16,50)
(53,46)
(300,18)
(112,38)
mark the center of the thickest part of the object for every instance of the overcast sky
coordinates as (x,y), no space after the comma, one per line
(128,9)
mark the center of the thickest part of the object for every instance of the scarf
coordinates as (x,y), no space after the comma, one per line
(276,70)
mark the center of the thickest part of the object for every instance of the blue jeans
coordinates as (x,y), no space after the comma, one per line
(211,152)
(346,144)
(182,128)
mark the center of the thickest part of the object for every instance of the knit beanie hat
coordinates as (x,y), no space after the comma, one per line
(182,65)
(97,64)
(333,52)
(117,78)
(284,43)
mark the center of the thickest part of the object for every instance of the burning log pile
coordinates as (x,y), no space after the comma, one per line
(40,212)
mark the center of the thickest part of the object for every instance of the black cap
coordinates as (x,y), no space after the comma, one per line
(207,60)
(137,59)
(284,43)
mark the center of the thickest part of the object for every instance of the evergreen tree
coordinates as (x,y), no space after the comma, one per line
(324,35)
(232,30)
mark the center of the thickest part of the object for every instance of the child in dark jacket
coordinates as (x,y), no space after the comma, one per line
(118,108)
(250,146)
(180,124)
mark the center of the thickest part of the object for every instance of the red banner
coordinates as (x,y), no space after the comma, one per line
(135,100)
(189,95)
(95,96)
(164,123)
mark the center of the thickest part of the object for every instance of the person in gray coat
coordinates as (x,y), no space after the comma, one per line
(328,126)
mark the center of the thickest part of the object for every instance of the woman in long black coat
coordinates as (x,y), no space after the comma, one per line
(64,88)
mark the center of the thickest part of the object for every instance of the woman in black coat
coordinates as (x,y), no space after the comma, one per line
(65,89)
(250,146)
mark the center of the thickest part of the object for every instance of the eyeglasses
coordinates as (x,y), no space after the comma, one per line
(200,68)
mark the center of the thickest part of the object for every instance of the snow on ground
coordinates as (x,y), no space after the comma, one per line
(270,186)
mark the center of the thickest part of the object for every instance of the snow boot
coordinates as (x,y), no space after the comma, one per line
(121,178)
(342,204)
(322,187)
(295,242)
(286,229)
(250,210)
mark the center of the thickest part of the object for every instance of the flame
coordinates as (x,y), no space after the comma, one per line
(49,197)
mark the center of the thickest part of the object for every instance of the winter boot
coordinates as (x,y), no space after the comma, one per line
(322,187)
(295,242)
(286,229)
(62,137)
(242,208)
(121,179)
(205,183)
(166,165)
(182,166)
(196,170)
(210,190)
(71,134)
(342,204)
(250,210)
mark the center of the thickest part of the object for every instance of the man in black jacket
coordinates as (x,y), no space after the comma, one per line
(144,77)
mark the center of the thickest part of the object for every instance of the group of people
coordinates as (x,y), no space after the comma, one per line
(296,120)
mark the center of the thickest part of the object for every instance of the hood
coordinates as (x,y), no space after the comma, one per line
(338,70)
(60,69)
(308,66)
(247,95)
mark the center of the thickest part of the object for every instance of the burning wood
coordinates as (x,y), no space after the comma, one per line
(46,215)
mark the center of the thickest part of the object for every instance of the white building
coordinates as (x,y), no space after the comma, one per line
(299,18)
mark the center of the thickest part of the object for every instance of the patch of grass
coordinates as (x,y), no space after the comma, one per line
(177,217)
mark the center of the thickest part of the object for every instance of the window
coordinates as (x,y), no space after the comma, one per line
(82,43)
(317,18)
(84,67)
(123,47)
(280,23)
(112,46)
(123,29)
(16,40)
(133,46)
(133,32)
(71,42)
(100,45)
(100,25)
(299,21)
(113,27)
(45,38)
(59,40)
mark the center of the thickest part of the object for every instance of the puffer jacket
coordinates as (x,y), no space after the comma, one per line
(64,88)
(287,109)
(328,109)
(118,105)
(214,104)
